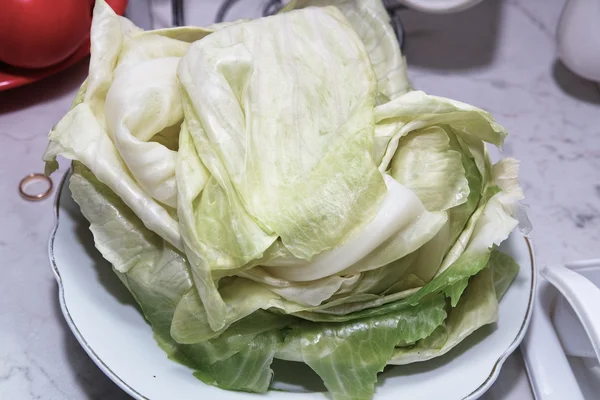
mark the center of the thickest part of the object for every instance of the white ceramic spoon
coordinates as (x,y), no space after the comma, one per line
(578,328)
(580,286)
(547,366)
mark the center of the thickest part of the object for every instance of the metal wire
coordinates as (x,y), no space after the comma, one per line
(393,7)
(177,8)
(224,9)
(398,28)
(272,7)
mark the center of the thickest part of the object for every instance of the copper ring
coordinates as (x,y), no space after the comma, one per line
(31,178)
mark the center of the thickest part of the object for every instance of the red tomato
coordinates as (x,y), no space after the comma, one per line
(40,33)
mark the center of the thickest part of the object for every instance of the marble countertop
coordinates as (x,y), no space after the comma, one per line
(498,55)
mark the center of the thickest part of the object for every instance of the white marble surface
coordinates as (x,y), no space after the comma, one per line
(498,55)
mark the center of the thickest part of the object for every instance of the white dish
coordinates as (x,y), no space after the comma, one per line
(104,319)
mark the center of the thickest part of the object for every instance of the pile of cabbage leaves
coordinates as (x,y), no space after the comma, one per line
(275,188)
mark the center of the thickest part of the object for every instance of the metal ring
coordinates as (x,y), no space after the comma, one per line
(31,178)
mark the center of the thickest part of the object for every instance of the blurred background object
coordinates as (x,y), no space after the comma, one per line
(38,33)
(435,6)
(39,38)
(578,38)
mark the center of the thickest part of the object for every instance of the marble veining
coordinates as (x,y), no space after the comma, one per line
(499,55)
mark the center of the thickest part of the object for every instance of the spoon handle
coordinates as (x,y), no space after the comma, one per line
(549,372)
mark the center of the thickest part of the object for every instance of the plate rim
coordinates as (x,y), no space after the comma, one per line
(63,305)
(475,394)
(485,385)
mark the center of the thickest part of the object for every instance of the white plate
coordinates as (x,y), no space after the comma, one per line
(111,329)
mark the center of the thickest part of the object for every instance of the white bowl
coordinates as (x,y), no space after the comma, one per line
(107,324)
